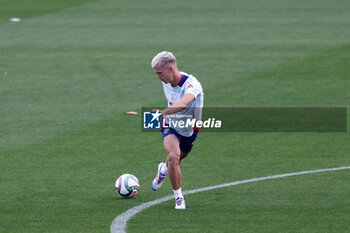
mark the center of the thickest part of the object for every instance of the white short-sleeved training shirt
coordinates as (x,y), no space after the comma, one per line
(188,84)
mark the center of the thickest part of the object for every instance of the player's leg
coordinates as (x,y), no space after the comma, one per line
(162,167)
(185,146)
(172,148)
(162,172)
(177,148)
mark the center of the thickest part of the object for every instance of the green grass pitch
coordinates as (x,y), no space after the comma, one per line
(69,69)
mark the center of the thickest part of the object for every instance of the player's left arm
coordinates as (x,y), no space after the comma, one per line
(180,105)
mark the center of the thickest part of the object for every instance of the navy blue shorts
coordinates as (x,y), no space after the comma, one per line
(186,143)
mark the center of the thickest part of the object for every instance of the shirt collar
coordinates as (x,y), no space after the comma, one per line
(183,79)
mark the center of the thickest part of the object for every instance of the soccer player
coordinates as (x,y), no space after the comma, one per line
(185,101)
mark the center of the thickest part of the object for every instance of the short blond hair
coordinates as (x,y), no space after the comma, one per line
(163,58)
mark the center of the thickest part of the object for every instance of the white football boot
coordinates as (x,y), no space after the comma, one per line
(180,203)
(158,181)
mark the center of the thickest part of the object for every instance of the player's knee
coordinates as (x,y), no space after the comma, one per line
(173,158)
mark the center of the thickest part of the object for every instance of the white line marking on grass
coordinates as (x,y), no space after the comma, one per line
(119,223)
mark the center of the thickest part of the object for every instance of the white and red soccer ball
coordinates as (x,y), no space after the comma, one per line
(127,185)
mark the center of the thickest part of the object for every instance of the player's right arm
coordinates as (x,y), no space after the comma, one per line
(180,105)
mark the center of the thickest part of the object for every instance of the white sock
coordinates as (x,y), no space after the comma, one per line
(164,170)
(178,193)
